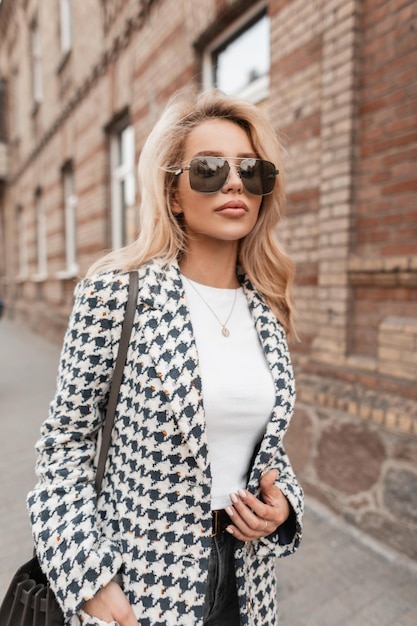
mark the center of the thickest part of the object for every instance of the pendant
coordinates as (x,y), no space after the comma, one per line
(225,331)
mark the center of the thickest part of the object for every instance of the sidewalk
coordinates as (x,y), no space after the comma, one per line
(341,577)
(337,578)
(28,367)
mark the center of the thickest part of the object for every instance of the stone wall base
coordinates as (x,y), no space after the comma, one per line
(363,468)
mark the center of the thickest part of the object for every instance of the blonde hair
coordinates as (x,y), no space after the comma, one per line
(161,234)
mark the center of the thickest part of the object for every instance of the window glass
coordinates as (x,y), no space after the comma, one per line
(22,252)
(70,206)
(36,64)
(16,106)
(241,64)
(41,249)
(66,25)
(122,185)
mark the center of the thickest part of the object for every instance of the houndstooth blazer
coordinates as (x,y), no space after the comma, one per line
(152,521)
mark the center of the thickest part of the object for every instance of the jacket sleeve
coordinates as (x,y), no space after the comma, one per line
(290,532)
(286,539)
(77,559)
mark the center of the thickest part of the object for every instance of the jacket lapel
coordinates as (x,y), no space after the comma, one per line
(274,344)
(167,330)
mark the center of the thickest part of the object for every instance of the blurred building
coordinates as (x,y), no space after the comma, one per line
(81,85)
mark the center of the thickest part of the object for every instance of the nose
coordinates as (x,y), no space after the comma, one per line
(234,181)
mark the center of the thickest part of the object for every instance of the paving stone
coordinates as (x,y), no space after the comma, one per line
(409,619)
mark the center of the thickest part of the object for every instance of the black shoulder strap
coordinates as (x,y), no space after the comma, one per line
(117,376)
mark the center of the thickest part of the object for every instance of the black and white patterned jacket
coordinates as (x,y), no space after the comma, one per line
(152,522)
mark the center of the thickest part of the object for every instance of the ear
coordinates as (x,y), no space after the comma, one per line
(175,205)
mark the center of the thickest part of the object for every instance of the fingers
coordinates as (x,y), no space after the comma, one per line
(270,492)
(251,517)
(268,479)
(251,510)
(240,529)
(247,523)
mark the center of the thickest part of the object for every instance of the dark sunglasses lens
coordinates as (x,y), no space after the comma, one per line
(258,176)
(208,174)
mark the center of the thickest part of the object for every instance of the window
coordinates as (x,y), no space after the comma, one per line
(3,253)
(122,162)
(36,64)
(22,251)
(3,100)
(66,25)
(238,61)
(41,249)
(15,108)
(70,222)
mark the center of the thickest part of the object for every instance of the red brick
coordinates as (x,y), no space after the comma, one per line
(302,128)
(301,58)
(383,101)
(305,201)
(388,144)
(275,6)
(400,187)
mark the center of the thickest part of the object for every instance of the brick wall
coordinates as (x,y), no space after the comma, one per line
(295,105)
(343,91)
(384,233)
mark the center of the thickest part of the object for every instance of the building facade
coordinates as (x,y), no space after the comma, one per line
(81,85)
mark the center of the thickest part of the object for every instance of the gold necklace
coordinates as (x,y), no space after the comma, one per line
(225,330)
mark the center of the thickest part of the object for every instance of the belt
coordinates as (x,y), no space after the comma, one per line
(220,520)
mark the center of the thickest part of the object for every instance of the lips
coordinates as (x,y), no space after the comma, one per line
(233,205)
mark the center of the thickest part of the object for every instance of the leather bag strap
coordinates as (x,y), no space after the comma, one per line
(117,377)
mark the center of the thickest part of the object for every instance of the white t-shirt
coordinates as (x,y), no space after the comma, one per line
(238,389)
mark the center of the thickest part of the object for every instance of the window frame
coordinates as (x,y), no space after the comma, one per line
(36,62)
(119,174)
(41,239)
(256,92)
(66,26)
(22,244)
(15,108)
(70,202)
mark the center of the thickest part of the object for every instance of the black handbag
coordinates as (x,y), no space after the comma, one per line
(29,600)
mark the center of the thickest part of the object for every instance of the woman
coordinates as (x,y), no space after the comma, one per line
(199,496)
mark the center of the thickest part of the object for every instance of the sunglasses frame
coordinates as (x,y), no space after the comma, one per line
(238,166)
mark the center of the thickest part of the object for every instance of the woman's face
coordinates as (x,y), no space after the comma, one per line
(226,215)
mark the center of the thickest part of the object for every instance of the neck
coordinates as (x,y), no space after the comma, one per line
(213,268)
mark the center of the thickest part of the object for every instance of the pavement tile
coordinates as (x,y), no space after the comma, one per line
(342,578)
(365,603)
(409,619)
(407,591)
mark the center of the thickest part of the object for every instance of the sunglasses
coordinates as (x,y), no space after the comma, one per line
(208,174)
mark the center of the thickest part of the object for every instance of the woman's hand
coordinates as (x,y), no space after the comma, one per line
(253,518)
(110,604)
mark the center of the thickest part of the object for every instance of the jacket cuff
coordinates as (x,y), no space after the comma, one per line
(286,539)
(78,583)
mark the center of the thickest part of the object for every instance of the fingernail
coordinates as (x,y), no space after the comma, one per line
(229,511)
(230,529)
(234,498)
(242,493)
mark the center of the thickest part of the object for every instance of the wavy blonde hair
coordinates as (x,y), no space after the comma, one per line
(161,233)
